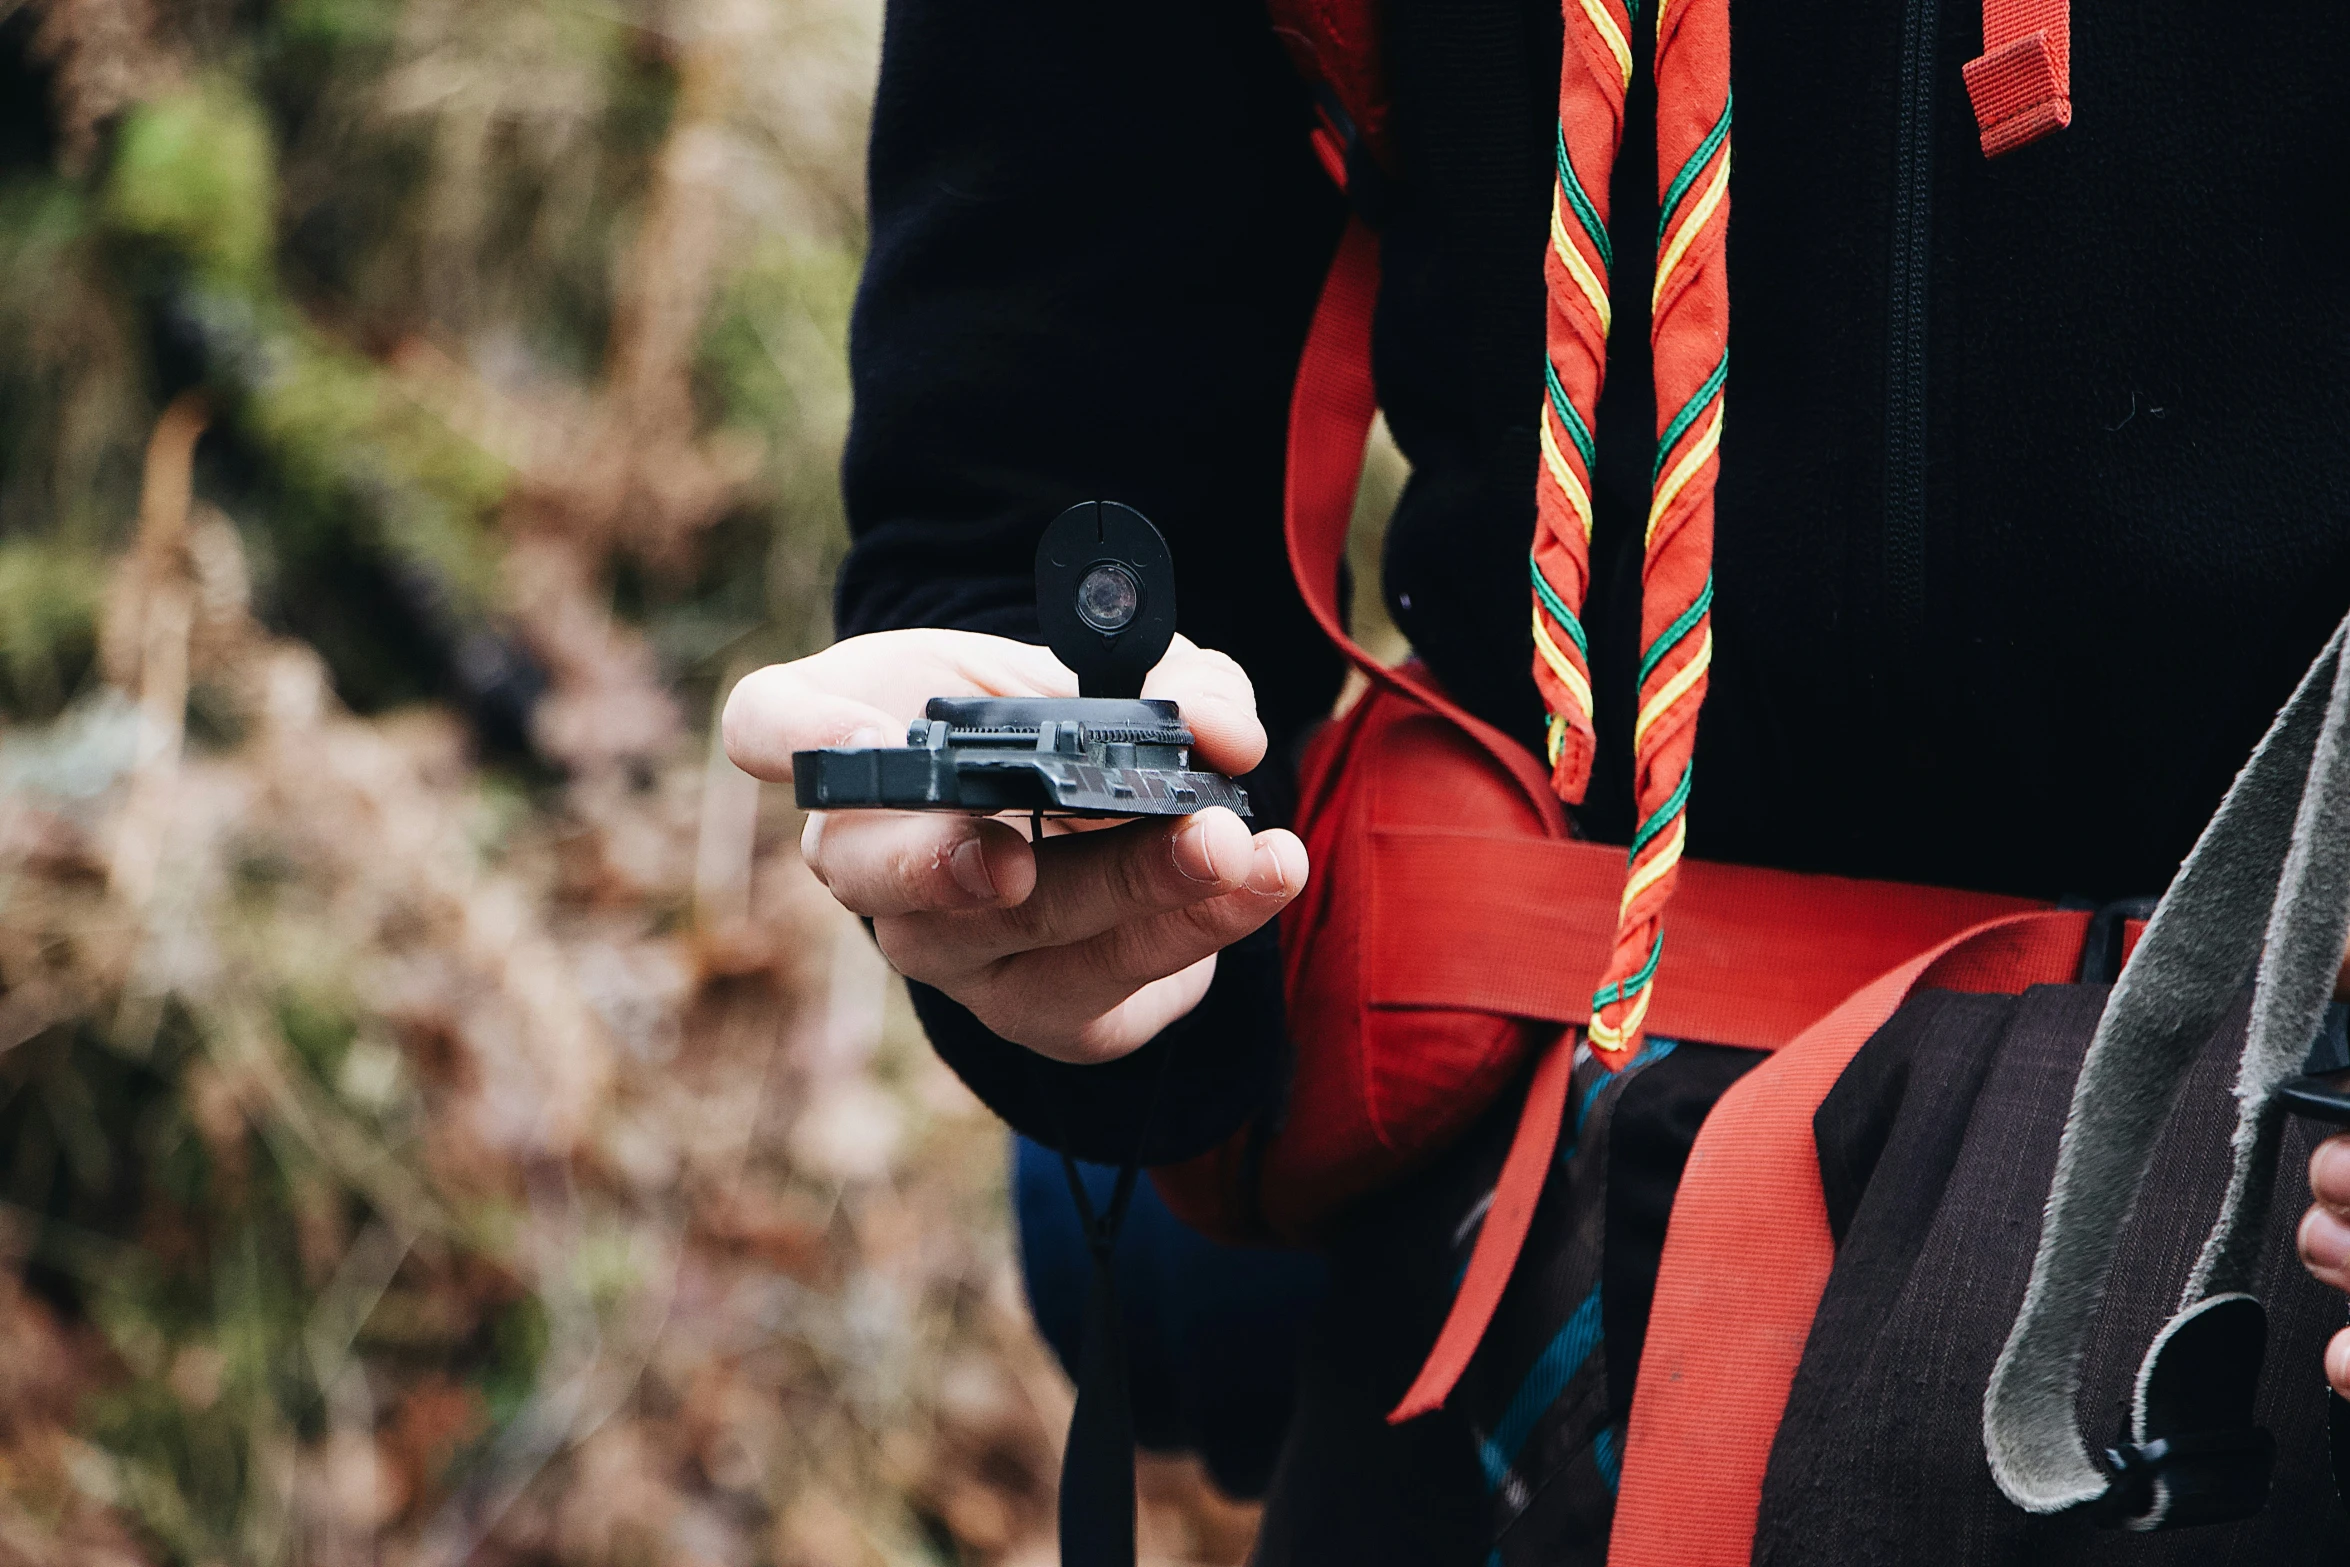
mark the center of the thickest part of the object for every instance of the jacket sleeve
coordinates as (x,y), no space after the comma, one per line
(1097,232)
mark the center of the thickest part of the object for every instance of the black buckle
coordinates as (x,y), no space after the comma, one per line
(2179,1482)
(1366,184)
(2101,947)
(2200,1457)
(2322,1092)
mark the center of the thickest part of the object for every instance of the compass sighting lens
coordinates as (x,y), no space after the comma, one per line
(1108,597)
(1105,595)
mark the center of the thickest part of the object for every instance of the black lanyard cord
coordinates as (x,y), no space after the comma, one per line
(1097,1466)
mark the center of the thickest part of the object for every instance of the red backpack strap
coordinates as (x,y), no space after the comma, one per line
(1747,1256)
(1335,46)
(1329,422)
(1330,415)
(2022,87)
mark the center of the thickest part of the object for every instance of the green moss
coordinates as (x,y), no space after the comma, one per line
(330,28)
(321,1033)
(772,364)
(358,464)
(519,1337)
(197,173)
(774,347)
(222,1387)
(49,597)
(74,407)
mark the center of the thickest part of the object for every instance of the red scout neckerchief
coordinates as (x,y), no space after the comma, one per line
(1689,341)
(2021,90)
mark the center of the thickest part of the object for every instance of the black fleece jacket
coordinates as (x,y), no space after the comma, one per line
(2008,622)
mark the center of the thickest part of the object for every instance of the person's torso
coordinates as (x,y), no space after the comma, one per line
(2031,503)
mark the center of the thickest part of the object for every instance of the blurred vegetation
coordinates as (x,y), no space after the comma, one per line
(440,1120)
(425,258)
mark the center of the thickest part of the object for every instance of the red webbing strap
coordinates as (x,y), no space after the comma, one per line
(1747,1256)
(2022,86)
(1501,1237)
(1330,415)
(1508,924)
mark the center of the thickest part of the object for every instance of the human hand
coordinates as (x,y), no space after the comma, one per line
(1082,946)
(2325,1240)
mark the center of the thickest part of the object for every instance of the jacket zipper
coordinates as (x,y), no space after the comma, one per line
(1904,542)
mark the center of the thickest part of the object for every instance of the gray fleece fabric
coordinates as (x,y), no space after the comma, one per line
(2268,883)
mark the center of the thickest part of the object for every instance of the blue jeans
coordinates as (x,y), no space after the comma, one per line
(1212,1332)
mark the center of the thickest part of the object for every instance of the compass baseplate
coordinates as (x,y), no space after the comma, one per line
(1087,756)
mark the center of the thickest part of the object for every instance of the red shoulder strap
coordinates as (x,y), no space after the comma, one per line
(1330,416)
(1335,46)
(1731,1316)
(1329,421)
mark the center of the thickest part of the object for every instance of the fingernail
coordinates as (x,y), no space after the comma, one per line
(869,738)
(1264,872)
(968,864)
(2325,1241)
(2338,1362)
(1190,848)
(2329,1172)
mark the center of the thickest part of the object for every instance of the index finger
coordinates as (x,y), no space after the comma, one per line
(2329,1173)
(1218,701)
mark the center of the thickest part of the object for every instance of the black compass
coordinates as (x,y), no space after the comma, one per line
(1105,601)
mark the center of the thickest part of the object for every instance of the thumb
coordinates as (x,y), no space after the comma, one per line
(772,712)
